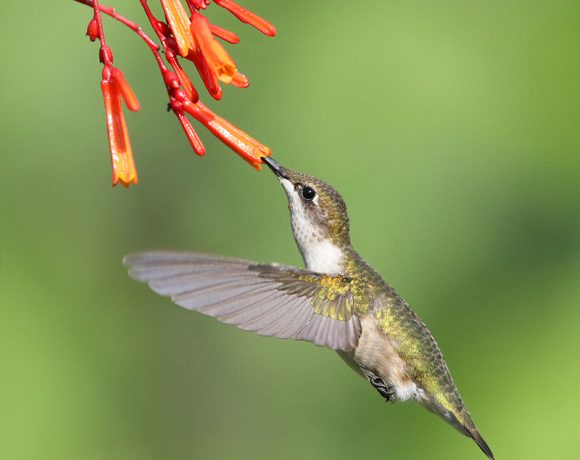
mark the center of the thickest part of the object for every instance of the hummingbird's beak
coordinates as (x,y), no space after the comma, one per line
(275,167)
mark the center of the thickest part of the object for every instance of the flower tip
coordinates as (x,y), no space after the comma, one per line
(240,80)
(125,182)
(269,30)
(217,93)
(124,171)
(224,34)
(266,153)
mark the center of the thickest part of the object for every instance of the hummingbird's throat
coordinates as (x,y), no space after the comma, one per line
(320,254)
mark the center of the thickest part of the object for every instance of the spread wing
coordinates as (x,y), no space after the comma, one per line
(268,299)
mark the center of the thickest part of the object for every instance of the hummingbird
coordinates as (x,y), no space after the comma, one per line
(338,301)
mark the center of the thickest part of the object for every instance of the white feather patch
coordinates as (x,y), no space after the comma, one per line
(406,391)
(324,257)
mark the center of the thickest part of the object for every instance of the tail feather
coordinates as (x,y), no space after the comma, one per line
(469,429)
(461,421)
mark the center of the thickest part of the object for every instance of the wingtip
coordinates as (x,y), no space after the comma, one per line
(151,257)
(127,260)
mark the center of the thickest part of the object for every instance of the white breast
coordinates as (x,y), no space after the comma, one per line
(324,257)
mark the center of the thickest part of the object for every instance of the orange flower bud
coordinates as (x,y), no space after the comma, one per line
(224,34)
(248,17)
(192,136)
(185,82)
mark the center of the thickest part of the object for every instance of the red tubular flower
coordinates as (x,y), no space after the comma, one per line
(114,89)
(217,58)
(246,146)
(248,17)
(192,37)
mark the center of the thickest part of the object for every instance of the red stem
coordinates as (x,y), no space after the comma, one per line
(156,24)
(105,53)
(99,20)
(154,47)
(168,49)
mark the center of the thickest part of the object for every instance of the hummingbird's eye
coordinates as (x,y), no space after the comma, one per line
(308,193)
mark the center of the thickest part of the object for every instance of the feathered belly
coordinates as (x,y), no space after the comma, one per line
(375,354)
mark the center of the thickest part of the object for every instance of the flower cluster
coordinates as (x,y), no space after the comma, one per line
(188,35)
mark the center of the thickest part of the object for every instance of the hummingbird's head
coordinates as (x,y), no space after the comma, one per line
(318,215)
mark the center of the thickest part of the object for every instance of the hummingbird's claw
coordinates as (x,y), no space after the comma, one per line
(385,390)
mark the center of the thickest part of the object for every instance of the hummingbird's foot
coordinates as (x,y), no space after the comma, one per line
(386,390)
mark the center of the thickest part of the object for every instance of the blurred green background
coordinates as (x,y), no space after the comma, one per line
(451,128)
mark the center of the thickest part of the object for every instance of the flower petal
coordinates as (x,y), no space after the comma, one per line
(131,100)
(208,76)
(179,24)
